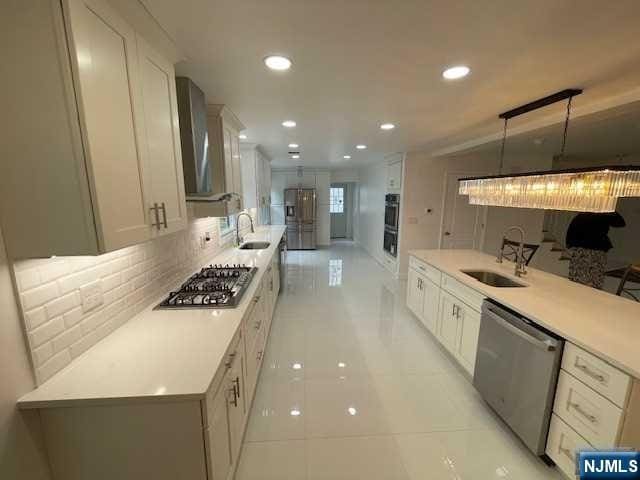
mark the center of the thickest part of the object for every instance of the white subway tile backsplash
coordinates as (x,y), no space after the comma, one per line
(62,304)
(39,295)
(66,338)
(53,365)
(43,353)
(35,318)
(47,331)
(130,278)
(27,279)
(72,317)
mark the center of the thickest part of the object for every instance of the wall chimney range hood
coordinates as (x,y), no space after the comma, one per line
(594,189)
(208,173)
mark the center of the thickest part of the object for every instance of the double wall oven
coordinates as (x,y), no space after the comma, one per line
(391,223)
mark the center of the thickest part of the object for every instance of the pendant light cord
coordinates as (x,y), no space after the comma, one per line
(566,127)
(504,140)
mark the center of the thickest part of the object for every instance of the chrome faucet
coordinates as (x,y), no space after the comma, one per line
(521,268)
(238,237)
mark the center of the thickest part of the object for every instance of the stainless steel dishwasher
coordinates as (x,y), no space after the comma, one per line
(516,372)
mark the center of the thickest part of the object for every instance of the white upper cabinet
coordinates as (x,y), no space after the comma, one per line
(256,181)
(104,49)
(166,193)
(278,184)
(82,163)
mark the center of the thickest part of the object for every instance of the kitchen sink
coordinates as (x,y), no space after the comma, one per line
(492,279)
(254,246)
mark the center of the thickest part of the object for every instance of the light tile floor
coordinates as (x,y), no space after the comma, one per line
(353,387)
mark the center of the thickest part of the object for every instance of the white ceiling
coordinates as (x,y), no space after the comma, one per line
(358,63)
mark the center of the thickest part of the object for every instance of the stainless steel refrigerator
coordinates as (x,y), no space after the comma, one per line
(300,218)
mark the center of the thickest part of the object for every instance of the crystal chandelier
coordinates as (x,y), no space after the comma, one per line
(595,189)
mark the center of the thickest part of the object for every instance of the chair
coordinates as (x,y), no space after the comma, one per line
(510,250)
(631,274)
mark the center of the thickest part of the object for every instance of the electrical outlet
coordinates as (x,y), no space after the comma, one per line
(91,296)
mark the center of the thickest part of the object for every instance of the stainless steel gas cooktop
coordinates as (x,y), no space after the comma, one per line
(215,286)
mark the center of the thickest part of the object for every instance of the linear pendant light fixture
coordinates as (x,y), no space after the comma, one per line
(595,189)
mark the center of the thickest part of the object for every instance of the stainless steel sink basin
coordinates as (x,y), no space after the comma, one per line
(492,279)
(254,246)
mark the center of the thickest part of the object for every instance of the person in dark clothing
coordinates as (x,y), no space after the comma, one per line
(588,243)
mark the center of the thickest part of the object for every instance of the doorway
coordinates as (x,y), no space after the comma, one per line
(341,210)
(462,224)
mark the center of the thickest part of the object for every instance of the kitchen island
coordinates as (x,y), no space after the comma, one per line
(595,386)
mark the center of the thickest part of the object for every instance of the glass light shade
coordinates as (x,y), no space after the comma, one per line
(594,190)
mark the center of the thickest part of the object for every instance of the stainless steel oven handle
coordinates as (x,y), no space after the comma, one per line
(522,334)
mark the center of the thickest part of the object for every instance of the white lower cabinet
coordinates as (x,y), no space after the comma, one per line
(441,309)
(191,438)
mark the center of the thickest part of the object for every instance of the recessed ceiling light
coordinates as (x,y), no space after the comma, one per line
(361,147)
(295,156)
(295,412)
(456,72)
(387,126)
(242,136)
(293,145)
(346,157)
(277,62)
(289,123)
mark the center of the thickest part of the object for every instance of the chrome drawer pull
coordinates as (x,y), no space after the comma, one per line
(568,453)
(588,416)
(591,373)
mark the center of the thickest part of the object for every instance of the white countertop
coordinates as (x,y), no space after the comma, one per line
(158,354)
(604,324)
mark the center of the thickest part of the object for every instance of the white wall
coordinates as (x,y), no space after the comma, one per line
(22,452)
(372,187)
(423,190)
(344,175)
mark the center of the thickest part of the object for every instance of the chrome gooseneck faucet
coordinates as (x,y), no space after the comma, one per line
(521,268)
(238,237)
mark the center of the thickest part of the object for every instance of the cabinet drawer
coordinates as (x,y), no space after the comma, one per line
(428,271)
(562,444)
(596,373)
(461,291)
(233,354)
(587,412)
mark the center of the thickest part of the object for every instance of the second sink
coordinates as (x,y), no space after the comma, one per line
(254,246)
(492,279)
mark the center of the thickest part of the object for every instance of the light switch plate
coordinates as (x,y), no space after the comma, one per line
(91,296)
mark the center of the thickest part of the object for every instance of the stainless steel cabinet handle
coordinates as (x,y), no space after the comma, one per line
(257,325)
(230,361)
(164,215)
(581,411)
(236,386)
(589,372)
(234,400)
(259,357)
(568,453)
(156,214)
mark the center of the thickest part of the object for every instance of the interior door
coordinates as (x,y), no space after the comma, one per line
(462,224)
(338,210)
(163,138)
(108,90)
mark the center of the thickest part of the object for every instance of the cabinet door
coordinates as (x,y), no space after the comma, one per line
(278,184)
(234,385)
(163,140)
(227,138)
(448,324)
(469,331)
(217,436)
(324,225)
(415,294)
(431,304)
(394,176)
(109,95)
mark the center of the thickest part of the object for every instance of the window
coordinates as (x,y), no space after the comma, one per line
(336,200)
(227,225)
